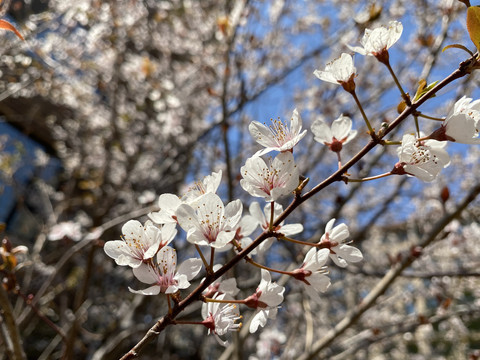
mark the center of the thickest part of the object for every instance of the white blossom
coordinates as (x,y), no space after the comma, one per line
(335,239)
(423,160)
(462,123)
(168,204)
(335,137)
(209,184)
(221,318)
(378,40)
(221,286)
(272,181)
(263,219)
(338,71)
(208,222)
(278,136)
(267,298)
(165,276)
(139,242)
(312,272)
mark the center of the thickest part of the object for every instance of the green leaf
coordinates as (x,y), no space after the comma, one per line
(423,89)
(473,24)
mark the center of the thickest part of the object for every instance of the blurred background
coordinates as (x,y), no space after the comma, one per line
(108,104)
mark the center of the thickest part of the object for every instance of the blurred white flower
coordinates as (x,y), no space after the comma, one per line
(423,160)
(335,240)
(208,222)
(339,71)
(335,137)
(139,242)
(278,136)
(165,277)
(272,181)
(269,344)
(266,299)
(68,229)
(379,40)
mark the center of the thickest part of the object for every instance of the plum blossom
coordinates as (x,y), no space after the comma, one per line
(209,222)
(462,123)
(335,137)
(262,218)
(339,71)
(376,42)
(272,181)
(209,184)
(165,277)
(266,299)
(312,272)
(335,239)
(278,136)
(423,160)
(221,318)
(139,242)
(169,203)
(221,286)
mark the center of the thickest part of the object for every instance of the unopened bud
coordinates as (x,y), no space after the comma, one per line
(445,194)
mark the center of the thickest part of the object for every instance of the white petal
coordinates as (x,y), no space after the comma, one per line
(152,290)
(259,319)
(190,268)
(321,132)
(341,127)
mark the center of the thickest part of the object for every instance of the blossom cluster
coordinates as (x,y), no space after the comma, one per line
(207,222)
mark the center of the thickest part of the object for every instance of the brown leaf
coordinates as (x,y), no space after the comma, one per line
(5,25)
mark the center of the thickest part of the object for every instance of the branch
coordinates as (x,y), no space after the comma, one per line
(464,68)
(9,321)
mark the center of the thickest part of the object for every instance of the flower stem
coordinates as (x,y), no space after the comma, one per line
(212,256)
(404,96)
(389,142)
(249,260)
(272,214)
(347,179)
(205,262)
(185,322)
(299,241)
(224,301)
(429,117)
(416,125)
(370,129)
(339,157)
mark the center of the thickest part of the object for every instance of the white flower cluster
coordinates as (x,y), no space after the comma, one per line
(208,222)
